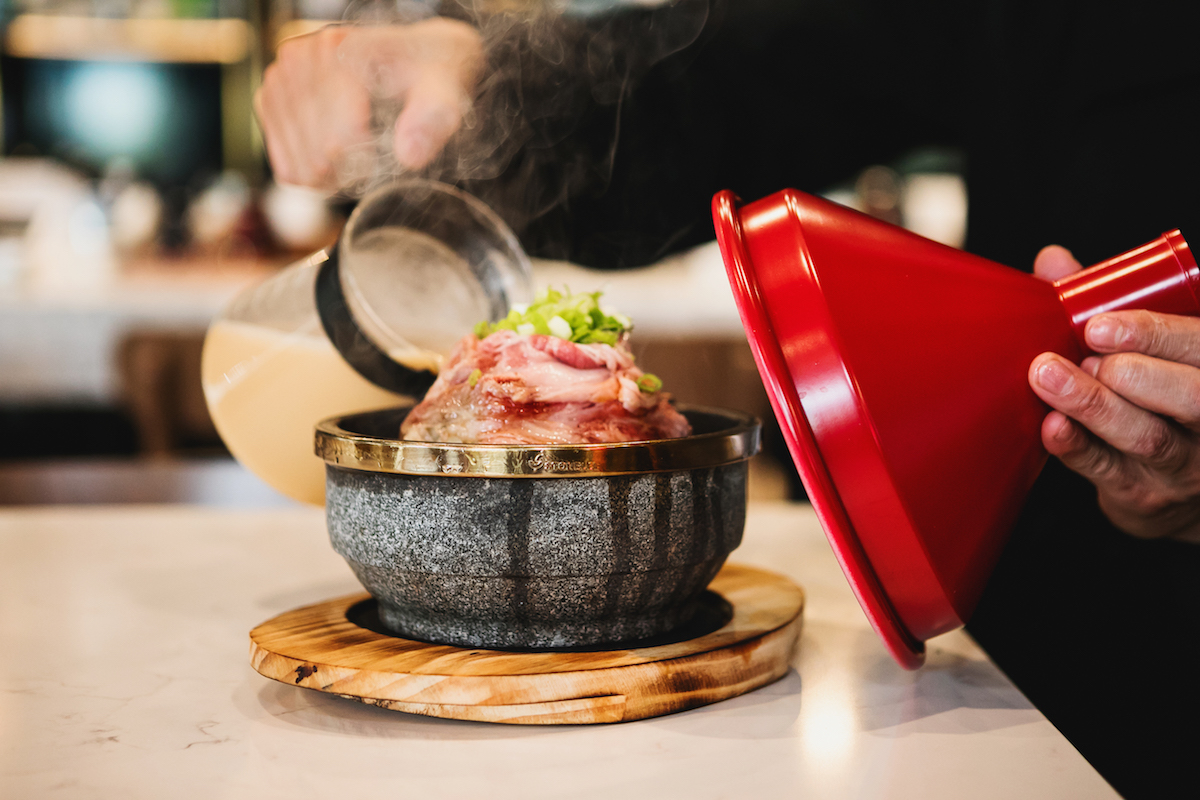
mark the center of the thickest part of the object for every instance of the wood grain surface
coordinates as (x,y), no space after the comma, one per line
(319,647)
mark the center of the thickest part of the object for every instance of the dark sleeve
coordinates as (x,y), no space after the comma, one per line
(639,123)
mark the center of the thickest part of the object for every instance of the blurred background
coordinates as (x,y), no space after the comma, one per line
(135,201)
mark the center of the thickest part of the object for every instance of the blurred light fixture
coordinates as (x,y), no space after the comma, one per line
(114,109)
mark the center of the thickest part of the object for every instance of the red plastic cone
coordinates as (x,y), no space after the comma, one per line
(897,368)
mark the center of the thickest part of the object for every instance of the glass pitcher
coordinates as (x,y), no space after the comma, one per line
(363,325)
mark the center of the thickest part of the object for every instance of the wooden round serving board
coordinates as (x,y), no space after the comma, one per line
(319,647)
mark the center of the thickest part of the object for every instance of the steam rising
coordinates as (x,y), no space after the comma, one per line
(553,70)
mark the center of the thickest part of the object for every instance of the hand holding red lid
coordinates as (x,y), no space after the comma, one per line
(1128,419)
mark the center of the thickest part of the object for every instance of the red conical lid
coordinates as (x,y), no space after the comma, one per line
(896,367)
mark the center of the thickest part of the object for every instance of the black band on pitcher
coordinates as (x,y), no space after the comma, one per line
(348,339)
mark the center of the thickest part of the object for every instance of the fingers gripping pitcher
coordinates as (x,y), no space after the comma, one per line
(363,325)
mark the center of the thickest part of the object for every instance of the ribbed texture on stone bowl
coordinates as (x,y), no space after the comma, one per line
(536,562)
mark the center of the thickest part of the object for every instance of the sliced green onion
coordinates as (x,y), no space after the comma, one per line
(560,327)
(474,377)
(575,317)
(649,383)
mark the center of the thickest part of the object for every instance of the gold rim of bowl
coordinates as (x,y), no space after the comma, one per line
(726,437)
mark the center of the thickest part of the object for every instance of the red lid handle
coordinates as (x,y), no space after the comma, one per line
(1158,276)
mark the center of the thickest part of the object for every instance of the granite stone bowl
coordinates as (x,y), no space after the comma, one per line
(536,547)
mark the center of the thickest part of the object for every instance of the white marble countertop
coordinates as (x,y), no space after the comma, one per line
(124,674)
